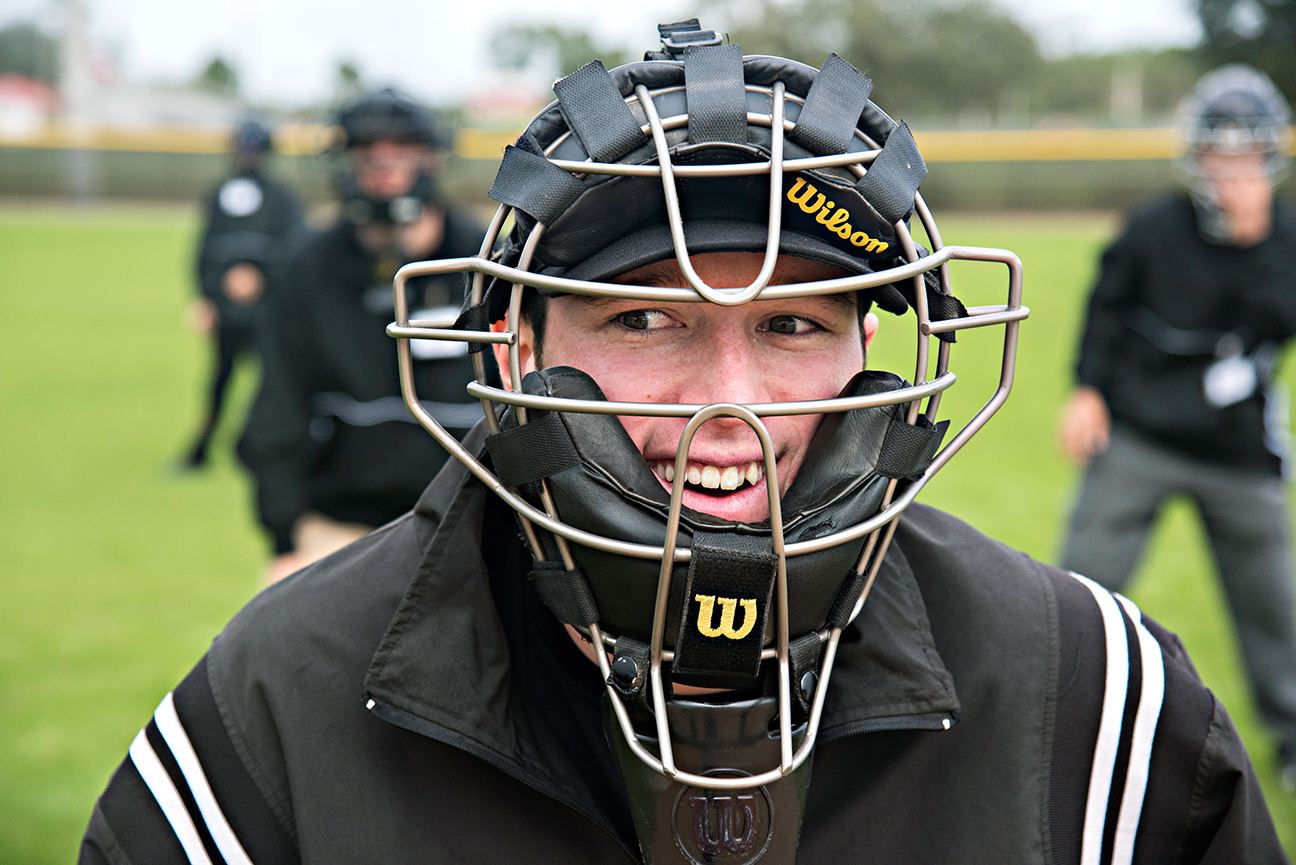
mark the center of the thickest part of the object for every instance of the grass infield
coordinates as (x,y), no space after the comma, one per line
(117,571)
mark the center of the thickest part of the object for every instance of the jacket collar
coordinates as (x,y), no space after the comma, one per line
(444,658)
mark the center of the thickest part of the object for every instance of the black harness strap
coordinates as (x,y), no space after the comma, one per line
(531,451)
(597,113)
(803,658)
(630,668)
(894,177)
(474,318)
(726,604)
(717,102)
(565,592)
(908,449)
(530,182)
(832,108)
(844,603)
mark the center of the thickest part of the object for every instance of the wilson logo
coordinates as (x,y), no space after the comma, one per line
(836,219)
(725,824)
(728,608)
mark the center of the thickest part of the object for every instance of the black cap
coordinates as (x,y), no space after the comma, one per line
(388,114)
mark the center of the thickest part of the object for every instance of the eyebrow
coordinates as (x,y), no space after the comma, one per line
(674,279)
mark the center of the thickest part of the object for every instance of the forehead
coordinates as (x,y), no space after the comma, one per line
(386,147)
(732,270)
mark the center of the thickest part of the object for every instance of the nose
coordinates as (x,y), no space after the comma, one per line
(730,370)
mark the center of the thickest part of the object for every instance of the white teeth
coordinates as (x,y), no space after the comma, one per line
(714,477)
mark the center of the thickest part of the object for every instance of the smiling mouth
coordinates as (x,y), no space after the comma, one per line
(713,480)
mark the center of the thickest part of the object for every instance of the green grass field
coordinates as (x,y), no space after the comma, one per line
(116,572)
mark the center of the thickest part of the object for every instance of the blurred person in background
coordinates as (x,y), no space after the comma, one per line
(1174,381)
(333,450)
(249,221)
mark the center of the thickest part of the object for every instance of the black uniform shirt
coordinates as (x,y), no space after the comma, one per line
(247,218)
(329,431)
(1169,304)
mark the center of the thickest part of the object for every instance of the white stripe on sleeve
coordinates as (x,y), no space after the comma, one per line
(1109,727)
(168,799)
(1145,723)
(178,741)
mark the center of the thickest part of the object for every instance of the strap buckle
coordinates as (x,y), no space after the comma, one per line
(686,34)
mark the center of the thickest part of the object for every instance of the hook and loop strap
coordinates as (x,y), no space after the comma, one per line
(844,603)
(894,177)
(726,604)
(531,183)
(565,592)
(597,113)
(532,451)
(717,101)
(832,110)
(908,449)
(803,658)
(474,318)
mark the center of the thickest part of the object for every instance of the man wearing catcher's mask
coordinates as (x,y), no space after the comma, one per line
(673,603)
(332,450)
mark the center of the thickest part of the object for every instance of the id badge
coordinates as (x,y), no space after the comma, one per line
(1229,380)
(436,349)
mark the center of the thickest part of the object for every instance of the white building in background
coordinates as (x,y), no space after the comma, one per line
(26,106)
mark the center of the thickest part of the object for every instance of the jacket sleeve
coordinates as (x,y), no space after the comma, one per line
(184,794)
(208,267)
(1147,767)
(1204,803)
(1231,821)
(276,438)
(1272,297)
(1113,295)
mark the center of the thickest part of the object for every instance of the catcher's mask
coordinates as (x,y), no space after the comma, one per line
(384,115)
(1235,109)
(700,149)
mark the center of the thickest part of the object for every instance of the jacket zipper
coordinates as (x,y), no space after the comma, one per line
(414,724)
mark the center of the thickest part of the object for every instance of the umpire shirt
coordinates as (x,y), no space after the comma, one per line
(329,431)
(248,218)
(387,705)
(1177,327)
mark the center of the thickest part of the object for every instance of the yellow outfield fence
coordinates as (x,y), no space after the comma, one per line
(991,145)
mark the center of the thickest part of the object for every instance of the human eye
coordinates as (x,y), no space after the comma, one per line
(790,325)
(642,319)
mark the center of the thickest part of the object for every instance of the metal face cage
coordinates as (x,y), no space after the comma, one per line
(931,378)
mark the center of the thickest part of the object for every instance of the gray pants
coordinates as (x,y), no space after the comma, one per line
(1245,515)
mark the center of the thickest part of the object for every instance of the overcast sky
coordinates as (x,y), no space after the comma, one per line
(287,51)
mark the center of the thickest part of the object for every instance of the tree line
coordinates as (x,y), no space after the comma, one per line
(966,62)
(952,62)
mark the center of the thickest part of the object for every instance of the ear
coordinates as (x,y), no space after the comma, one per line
(870,328)
(525,343)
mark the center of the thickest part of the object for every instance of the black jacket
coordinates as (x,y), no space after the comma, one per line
(328,430)
(380,706)
(1163,302)
(248,218)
